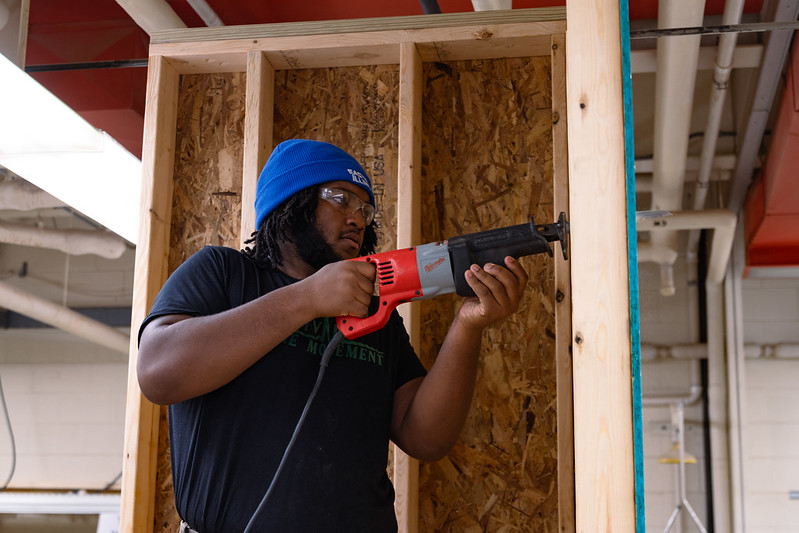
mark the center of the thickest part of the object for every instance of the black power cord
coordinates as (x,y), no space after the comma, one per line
(331,348)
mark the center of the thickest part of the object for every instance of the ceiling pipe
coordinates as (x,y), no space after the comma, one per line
(152,15)
(733,9)
(693,395)
(677,59)
(721,221)
(430,7)
(663,255)
(70,241)
(206,12)
(62,318)
(491,5)
(780,350)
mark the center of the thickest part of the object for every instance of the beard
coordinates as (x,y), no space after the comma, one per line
(313,248)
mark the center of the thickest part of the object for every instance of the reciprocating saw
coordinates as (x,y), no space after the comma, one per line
(429,270)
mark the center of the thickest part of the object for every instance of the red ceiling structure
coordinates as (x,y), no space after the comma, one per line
(112,99)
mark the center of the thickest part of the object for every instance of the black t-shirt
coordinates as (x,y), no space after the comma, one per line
(226,444)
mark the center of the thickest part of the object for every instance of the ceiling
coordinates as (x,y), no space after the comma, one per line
(674,149)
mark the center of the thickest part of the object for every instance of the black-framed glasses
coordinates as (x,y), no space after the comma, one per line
(348,202)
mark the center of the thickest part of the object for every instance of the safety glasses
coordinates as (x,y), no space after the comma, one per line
(348,203)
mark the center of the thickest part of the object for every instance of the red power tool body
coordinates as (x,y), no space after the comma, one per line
(425,271)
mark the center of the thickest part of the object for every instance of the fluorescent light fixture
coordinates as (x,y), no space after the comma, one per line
(58,503)
(51,146)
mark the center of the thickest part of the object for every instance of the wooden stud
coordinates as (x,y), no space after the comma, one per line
(258,141)
(565,409)
(409,231)
(141,416)
(603,419)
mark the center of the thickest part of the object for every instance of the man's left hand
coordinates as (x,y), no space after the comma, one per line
(498,291)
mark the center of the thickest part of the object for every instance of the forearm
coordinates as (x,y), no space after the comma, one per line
(183,357)
(436,415)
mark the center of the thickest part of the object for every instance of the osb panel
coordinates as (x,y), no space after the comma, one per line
(355,108)
(487,163)
(206,206)
(209,151)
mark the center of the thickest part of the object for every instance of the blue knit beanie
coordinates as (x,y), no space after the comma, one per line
(300,163)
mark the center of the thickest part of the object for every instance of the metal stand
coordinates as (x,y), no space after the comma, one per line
(678,421)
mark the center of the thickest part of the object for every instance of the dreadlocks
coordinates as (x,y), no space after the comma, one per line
(282,224)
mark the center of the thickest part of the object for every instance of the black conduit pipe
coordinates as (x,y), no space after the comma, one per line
(430,6)
(701,267)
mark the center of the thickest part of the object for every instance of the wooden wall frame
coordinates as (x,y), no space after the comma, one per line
(409,42)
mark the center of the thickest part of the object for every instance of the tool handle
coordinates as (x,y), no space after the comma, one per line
(398,282)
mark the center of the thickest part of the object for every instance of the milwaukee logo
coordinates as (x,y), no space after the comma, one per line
(429,267)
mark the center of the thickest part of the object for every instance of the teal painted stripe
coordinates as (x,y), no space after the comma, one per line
(632,252)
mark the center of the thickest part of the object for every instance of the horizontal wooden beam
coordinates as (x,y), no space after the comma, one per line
(327,27)
(506,37)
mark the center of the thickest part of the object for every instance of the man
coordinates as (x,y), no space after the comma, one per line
(233,345)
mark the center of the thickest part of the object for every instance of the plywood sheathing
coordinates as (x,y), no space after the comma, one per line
(206,206)
(487,163)
(354,108)
(206,202)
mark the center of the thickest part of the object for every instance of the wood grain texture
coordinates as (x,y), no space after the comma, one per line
(603,423)
(141,416)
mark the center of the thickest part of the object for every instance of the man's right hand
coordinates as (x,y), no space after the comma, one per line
(341,288)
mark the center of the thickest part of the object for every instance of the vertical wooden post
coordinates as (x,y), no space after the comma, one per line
(603,419)
(409,231)
(142,417)
(565,408)
(258,141)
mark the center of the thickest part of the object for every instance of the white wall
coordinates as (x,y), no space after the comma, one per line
(67,409)
(65,396)
(666,320)
(771,436)
(770,400)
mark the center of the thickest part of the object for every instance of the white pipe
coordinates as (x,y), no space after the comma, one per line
(489,5)
(721,76)
(645,165)
(206,12)
(733,10)
(780,350)
(15,195)
(70,241)
(648,252)
(723,223)
(736,383)
(677,59)
(152,15)
(62,318)
(717,408)
(691,397)
(665,257)
(645,183)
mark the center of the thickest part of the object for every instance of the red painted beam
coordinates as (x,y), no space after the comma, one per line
(772,205)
